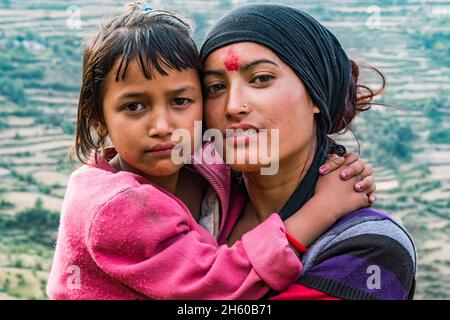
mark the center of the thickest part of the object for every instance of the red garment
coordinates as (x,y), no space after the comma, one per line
(300,292)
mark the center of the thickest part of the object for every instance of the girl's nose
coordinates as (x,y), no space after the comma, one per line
(160,126)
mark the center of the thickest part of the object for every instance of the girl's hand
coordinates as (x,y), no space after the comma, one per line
(337,194)
(351,166)
(346,185)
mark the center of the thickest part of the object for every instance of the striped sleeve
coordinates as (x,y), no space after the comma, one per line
(372,260)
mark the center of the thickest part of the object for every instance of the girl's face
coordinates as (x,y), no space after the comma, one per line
(142,114)
(247,85)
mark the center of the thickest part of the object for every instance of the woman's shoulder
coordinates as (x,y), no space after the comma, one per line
(363,228)
(361,244)
(373,223)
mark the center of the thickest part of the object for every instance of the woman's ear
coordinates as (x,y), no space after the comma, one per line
(316,109)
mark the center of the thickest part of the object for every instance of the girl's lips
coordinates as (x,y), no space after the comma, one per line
(163,152)
(164,149)
(161,147)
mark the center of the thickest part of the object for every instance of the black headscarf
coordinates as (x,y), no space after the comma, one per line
(312,52)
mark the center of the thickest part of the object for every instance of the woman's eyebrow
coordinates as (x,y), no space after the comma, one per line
(249,65)
(243,68)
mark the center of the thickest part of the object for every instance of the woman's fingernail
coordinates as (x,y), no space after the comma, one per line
(323,169)
(373,198)
(345,173)
(359,186)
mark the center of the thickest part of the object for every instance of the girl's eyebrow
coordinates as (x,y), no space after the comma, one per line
(181,90)
(243,68)
(141,94)
(127,95)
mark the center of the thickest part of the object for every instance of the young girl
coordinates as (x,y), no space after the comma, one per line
(129,226)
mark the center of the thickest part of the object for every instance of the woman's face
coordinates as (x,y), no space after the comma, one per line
(246,85)
(141,115)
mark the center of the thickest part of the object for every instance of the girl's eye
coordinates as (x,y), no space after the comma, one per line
(215,88)
(134,107)
(262,79)
(181,101)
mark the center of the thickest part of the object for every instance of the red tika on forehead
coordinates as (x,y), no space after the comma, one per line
(231,62)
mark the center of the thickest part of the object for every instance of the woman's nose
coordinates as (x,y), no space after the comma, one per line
(236,105)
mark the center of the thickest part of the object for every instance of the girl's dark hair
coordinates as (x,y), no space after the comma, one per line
(156,39)
(359,99)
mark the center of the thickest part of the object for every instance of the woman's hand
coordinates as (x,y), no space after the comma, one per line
(346,184)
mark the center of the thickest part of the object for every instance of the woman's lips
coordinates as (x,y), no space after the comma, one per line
(244,126)
(242,133)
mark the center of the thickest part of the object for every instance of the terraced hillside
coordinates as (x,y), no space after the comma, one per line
(409,145)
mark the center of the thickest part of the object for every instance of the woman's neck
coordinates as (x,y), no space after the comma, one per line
(269,193)
(168,183)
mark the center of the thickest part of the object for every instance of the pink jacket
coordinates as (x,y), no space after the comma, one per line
(121,237)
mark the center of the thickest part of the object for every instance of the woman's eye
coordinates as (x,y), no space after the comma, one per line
(262,79)
(181,101)
(133,107)
(215,88)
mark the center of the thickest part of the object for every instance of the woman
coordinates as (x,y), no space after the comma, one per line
(275,67)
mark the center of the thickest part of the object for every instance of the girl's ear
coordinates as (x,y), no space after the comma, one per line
(100,129)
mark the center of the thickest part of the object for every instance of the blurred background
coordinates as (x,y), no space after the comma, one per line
(409,145)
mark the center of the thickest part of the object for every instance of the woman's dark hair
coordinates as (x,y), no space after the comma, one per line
(359,99)
(156,39)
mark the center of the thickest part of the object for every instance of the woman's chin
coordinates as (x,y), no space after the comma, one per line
(245,167)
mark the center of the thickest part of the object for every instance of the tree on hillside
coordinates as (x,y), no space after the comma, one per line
(14,91)
(39,222)
(386,140)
